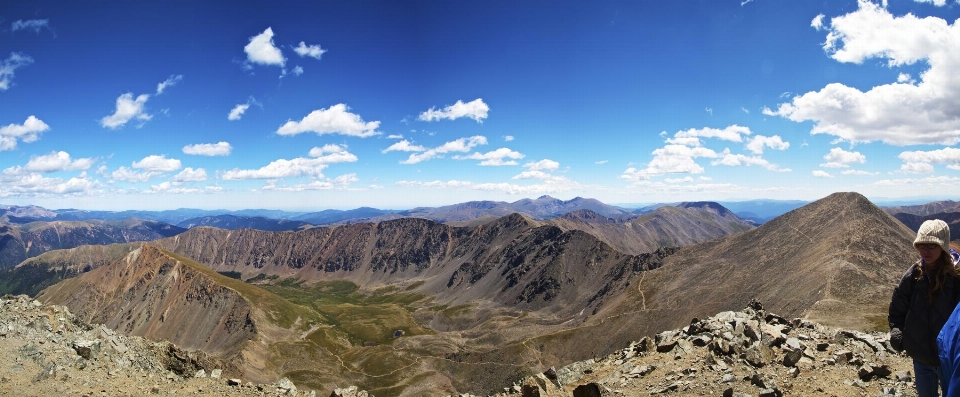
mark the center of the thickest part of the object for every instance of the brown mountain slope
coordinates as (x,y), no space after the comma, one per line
(667,226)
(914,221)
(834,261)
(931,208)
(19,242)
(157,295)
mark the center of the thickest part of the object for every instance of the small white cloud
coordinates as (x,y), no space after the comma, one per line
(261,50)
(817,22)
(759,142)
(476,110)
(821,174)
(494,158)
(859,173)
(917,168)
(709,110)
(737,160)
(395,136)
(15,61)
(191,175)
(129,175)
(333,120)
(938,3)
(745,110)
(462,145)
(732,133)
(237,112)
(127,109)
(545,164)
(905,78)
(31,24)
(297,70)
(839,158)
(157,163)
(209,149)
(705,178)
(922,161)
(404,146)
(169,82)
(312,51)
(508,138)
(57,161)
(29,131)
(688,141)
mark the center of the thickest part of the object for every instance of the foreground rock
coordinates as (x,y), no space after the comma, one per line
(748,353)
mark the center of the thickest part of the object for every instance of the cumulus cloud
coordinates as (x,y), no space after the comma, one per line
(15,61)
(191,175)
(129,175)
(395,136)
(297,70)
(237,111)
(28,132)
(921,162)
(759,142)
(732,133)
(57,161)
(169,82)
(670,159)
(938,3)
(157,163)
(821,174)
(508,138)
(735,160)
(817,22)
(261,50)
(209,149)
(462,145)
(340,182)
(501,156)
(35,185)
(545,164)
(897,113)
(31,24)
(476,110)
(334,120)
(128,109)
(312,51)
(297,167)
(839,158)
(404,146)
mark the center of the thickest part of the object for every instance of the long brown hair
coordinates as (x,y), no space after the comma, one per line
(938,271)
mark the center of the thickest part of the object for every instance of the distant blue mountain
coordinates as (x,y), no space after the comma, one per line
(761,211)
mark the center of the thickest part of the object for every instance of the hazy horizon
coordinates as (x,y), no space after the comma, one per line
(331,105)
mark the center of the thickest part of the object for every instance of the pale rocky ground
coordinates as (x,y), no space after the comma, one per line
(45,351)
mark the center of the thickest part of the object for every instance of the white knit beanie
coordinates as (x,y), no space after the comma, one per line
(934,231)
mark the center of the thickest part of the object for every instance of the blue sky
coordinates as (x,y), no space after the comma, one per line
(395,104)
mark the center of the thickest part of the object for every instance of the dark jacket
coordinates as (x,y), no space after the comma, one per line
(917,319)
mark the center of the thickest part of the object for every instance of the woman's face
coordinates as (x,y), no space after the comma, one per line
(929,252)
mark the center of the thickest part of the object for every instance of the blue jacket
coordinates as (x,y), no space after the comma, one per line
(948,346)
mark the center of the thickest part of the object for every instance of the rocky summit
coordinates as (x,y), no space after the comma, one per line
(46,350)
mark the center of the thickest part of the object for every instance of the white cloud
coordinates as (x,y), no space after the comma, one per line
(191,175)
(237,111)
(15,61)
(333,120)
(668,160)
(689,141)
(340,182)
(404,146)
(300,166)
(745,110)
(817,22)
(57,161)
(312,51)
(678,180)
(732,133)
(261,50)
(916,168)
(297,70)
(169,82)
(759,142)
(127,109)
(29,131)
(462,145)
(508,138)
(709,110)
(395,136)
(921,162)
(938,3)
(157,163)
(937,183)
(736,160)
(905,78)
(129,175)
(894,113)
(839,158)
(821,174)
(859,173)
(494,158)
(545,164)
(35,185)
(31,24)
(209,149)
(476,110)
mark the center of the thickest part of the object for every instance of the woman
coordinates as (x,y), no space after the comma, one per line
(922,302)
